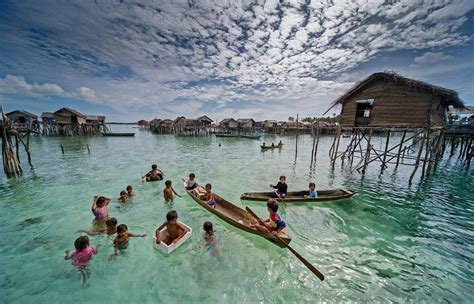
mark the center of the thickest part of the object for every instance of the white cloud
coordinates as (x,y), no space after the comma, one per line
(431,57)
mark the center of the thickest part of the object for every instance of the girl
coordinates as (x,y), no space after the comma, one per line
(209,238)
(121,241)
(100,210)
(81,257)
(312,193)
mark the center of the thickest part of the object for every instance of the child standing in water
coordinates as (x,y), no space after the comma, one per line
(210,238)
(81,257)
(168,192)
(100,209)
(111,228)
(274,223)
(121,241)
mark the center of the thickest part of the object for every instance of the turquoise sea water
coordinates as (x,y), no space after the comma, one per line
(390,242)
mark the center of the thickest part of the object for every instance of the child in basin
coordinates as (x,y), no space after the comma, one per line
(175,229)
(100,209)
(154,174)
(111,225)
(121,241)
(312,193)
(168,192)
(81,257)
(274,223)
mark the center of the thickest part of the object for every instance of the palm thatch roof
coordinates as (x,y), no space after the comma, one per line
(448,97)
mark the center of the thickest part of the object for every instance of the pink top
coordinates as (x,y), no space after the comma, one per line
(81,258)
(101,213)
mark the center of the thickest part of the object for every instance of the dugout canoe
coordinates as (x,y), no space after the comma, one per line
(237,217)
(271,147)
(226,135)
(298,196)
(118,134)
(257,137)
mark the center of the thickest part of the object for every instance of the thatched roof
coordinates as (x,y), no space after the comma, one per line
(71,111)
(23,112)
(448,97)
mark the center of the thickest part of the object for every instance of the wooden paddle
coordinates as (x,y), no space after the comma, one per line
(302,259)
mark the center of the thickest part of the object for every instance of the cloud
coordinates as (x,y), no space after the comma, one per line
(17,85)
(430,57)
(173,56)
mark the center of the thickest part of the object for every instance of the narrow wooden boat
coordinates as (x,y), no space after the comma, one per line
(271,147)
(167,249)
(298,196)
(225,135)
(257,137)
(237,217)
(118,134)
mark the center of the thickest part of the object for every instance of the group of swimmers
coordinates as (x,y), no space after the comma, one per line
(84,251)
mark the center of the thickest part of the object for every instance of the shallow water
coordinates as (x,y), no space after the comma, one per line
(390,242)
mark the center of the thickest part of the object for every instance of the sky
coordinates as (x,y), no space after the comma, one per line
(140,59)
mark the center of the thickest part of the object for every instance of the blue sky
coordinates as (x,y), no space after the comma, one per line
(144,59)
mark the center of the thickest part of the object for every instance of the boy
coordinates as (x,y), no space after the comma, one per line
(130,192)
(175,229)
(274,223)
(281,188)
(312,193)
(191,183)
(168,192)
(155,174)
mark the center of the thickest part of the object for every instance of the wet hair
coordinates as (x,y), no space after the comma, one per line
(284,177)
(168,183)
(171,215)
(111,222)
(129,187)
(100,201)
(208,227)
(273,205)
(208,186)
(81,243)
(123,192)
(154,166)
(312,185)
(122,228)
(192,175)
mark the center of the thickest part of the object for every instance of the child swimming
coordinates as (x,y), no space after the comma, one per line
(121,241)
(168,192)
(81,257)
(130,192)
(209,238)
(123,197)
(175,229)
(100,209)
(111,228)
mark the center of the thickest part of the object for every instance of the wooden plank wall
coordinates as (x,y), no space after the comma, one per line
(395,106)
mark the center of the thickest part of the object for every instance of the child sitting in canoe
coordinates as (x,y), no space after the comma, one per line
(121,241)
(281,188)
(130,192)
(312,193)
(100,209)
(191,183)
(111,228)
(154,174)
(274,224)
(81,257)
(123,197)
(209,197)
(168,192)
(175,229)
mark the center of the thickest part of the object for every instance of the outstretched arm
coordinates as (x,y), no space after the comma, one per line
(176,193)
(67,256)
(93,232)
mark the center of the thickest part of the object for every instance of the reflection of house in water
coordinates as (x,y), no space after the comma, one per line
(394,105)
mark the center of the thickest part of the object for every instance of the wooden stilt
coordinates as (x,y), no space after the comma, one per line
(427,151)
(367,152)
(387,140)
(337,146)
(62,148)
(400,148)
(417,162)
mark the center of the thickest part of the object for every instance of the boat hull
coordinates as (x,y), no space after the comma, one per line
(118,134)
(298,196)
